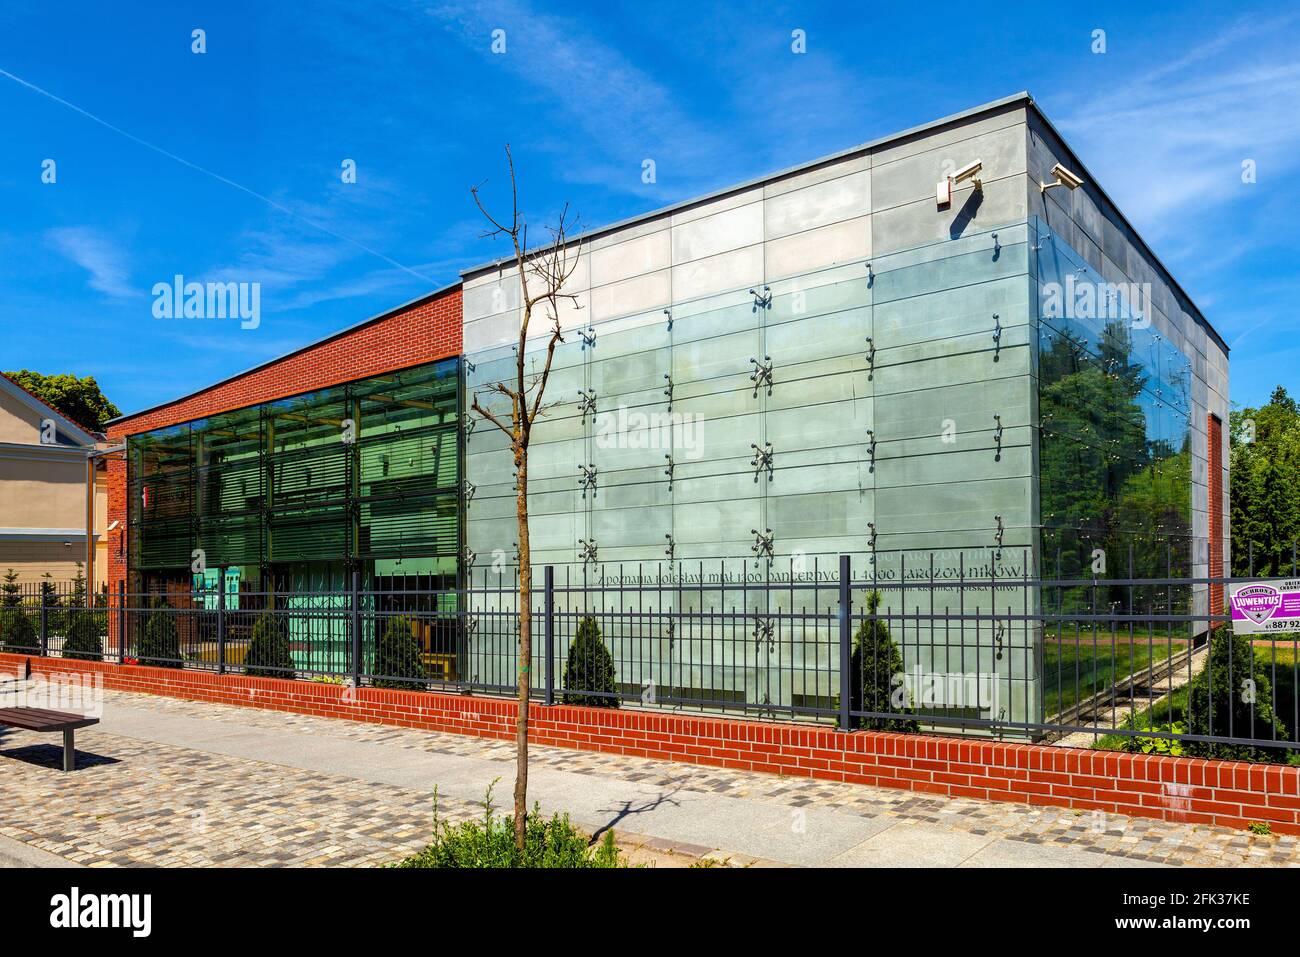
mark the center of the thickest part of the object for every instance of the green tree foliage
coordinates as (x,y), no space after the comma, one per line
(160,645)
(268,654)
(589,670)
(1233,696)
(11,593)
(398,663)
(877,671)
(1265,488)
(80,399)
(83,638)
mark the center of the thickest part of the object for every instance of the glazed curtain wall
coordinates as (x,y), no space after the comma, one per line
(879,409)
(1115,409)
(280,498)
(1115,476)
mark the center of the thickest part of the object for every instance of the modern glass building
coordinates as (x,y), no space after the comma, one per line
(947,375)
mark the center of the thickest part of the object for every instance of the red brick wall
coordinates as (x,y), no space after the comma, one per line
(1189,790)
(424,331)
(1214,431)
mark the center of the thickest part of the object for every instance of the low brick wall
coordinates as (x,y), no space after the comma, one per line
(1227,793)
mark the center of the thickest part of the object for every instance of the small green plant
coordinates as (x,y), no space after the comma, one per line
(160,645)
(11,595)
(1233,693)
(17,633)
(1173,747)
(398,663)
(268,655)
(589,670)
(83,640)
(490,843)
(876,675)
(1262,828)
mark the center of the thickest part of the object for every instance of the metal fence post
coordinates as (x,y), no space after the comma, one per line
(846,644)
(221,621)
(122,627)
(549,626)
(355,599)
(45,625)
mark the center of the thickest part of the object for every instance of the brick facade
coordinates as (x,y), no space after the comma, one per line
(423,331)
(1186,790)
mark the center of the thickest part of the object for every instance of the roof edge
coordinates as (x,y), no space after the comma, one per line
(386,314)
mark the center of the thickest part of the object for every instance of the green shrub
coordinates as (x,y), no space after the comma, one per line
(1221,705)
(83,639)
(397,657)
(875,663)
(490,843)
(268,653)
(589,671)
(1171,747)
(160,645)
(17,633)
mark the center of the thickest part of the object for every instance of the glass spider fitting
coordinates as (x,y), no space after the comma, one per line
(762,374)
(762,460)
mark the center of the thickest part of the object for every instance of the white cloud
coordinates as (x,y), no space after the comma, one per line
(99,255)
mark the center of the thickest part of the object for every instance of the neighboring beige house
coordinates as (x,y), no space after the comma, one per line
(43,490)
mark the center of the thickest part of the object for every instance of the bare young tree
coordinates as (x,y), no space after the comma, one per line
(542,276)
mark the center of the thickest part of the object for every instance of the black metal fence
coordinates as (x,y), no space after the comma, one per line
(945,644)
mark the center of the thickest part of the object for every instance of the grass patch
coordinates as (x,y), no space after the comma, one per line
(490,843)
(1074,671)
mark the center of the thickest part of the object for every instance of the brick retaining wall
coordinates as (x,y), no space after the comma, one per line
(1187,790)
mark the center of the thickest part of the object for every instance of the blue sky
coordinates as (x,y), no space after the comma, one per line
(412,92)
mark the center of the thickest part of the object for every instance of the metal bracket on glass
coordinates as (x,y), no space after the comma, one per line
(997,640)
(471,423)
(588,338)
(471,624)
(587,480)
(762,460)
(470,366)
(871,535)
(997,438)
(671,552)
(997,337)
(1001,530)
(668,470)
(467,490)
(765,630)
(587,551)
(871,357)
(763,546)
(669,390)
(669,314)
(871,276)
(762,374)
(1045,238)
(587,404)
(997,246)
(467,557)
(871,450)
(762,300)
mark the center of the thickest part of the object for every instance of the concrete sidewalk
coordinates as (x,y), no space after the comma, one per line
(174,782)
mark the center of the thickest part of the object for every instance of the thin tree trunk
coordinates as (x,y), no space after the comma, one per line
(525,656)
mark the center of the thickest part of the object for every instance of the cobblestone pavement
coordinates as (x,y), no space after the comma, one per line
(154,804)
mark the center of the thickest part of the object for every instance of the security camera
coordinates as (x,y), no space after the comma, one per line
(969,171)
(1063,178)
(943,189)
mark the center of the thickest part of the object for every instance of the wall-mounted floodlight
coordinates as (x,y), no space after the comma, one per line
(943,190)
(1063,178)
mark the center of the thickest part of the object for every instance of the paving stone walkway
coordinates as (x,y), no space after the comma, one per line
(175,783)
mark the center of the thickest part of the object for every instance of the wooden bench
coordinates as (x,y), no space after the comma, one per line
(43,721)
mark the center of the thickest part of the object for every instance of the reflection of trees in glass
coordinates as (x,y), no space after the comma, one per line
(1114,468)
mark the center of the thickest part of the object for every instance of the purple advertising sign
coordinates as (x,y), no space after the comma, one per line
(1265,606)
